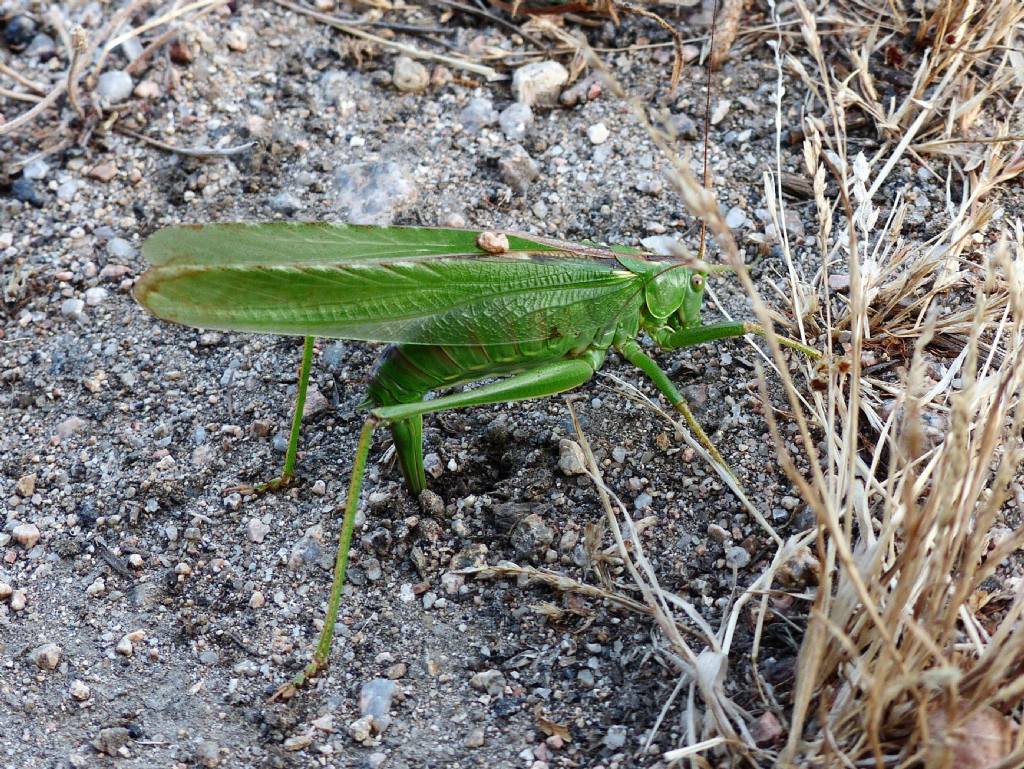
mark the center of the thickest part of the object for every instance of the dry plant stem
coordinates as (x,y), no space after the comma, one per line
(19,78)
(478,69)
(79,45)
(19,95)
(131,9)
(136,65)
(724,33)
(29,115)
(120,17)
(192,152)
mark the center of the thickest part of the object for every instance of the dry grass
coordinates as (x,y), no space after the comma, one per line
(909,444)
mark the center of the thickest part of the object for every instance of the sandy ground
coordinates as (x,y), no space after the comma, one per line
(178,607)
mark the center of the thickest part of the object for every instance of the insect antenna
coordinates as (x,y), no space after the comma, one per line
(702,247)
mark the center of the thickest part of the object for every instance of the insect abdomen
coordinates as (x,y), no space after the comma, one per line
(406,372)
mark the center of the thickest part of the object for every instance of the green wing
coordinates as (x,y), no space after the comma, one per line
(415,285)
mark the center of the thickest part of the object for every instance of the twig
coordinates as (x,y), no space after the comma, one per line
(206,5)
(18,77)
(19,95)
(113,25)
(490,74)
(154,45)
(192,152)
(31,114)
(79,45)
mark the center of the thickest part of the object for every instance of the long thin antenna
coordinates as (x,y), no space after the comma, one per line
(707,126)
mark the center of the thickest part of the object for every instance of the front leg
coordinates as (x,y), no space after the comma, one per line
(672,339)
(632,352)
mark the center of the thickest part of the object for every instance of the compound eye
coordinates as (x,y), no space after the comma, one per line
(696,281)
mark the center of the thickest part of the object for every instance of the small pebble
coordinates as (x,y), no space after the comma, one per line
(766,729)
(19,32)
(257,530)
(46,656)
(718,533)
(104,172)
(208,753)
(586,678)
(298,742)
(619,454)
(25,190)
(409,75)
(36,170)
(839,282)
(66,191)
(475,739)
(147,89)
(433,465)
(720,111)
(6,591)
(79,690)
(97,588)
(111,740)
(615,738)
(539,83)
(431,503)
(373,192)
(684,127)
(452,582)
(518,169)
(735,218)
(643,501)
(42,47)
(490,681)
(114,86)
(515,120)
(571,459)
(375,697)
(119,248)
(95,295)
(359,730)
(257,600)
(18,600)
(125,647)
(26,535)
(478,114)
(285,203)
(72,308)
(736,557)
(237,39)
(598,133)
(530,537)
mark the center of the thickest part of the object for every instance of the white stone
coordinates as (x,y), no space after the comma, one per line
(409,75)
(598,133)
(539,83)
(26,535)
(114,86)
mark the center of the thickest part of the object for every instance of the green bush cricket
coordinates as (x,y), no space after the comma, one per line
(457,306)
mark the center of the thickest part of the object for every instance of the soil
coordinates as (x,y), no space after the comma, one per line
(179,606)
